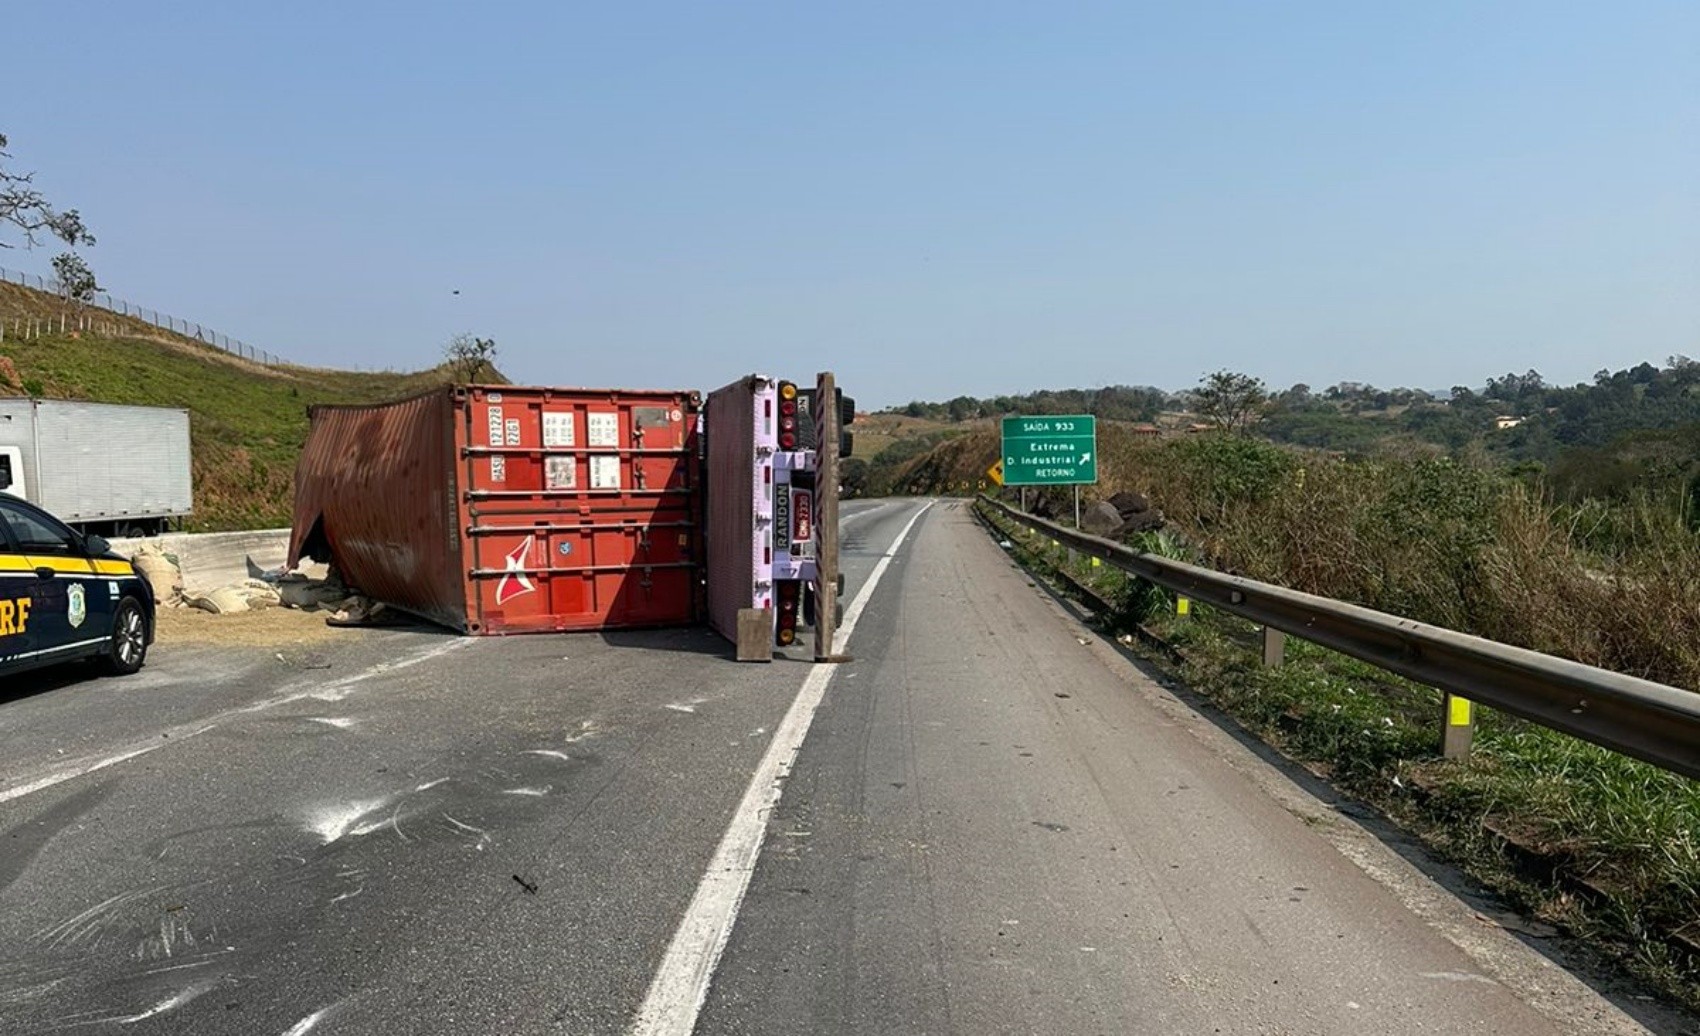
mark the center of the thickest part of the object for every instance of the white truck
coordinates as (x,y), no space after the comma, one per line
(101,468)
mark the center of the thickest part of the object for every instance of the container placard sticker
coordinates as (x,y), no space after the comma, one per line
(513,431)
(558,429)
(496,426)
(602,429)
(498,469)
(560,473)
(605,473)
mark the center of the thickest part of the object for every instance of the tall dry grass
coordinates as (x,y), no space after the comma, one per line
(1443,542)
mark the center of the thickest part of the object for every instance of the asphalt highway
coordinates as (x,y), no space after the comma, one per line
(990,821)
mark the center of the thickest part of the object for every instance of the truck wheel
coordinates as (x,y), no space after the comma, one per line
(128,647)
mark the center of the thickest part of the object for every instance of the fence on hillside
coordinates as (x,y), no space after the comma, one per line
(165,321)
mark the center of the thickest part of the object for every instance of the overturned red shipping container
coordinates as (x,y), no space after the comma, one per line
(499,509)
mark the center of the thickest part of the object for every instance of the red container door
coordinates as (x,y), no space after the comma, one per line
(583,511)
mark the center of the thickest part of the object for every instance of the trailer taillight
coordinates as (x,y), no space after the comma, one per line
(790,590)
(787,416)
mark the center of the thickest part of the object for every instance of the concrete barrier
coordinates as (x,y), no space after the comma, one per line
(214,559)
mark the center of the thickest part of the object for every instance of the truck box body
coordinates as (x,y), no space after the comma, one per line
(98,464)
(500,509)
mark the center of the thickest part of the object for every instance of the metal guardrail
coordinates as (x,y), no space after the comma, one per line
(1651,721)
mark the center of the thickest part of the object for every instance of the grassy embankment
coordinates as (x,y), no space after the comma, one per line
(247,421)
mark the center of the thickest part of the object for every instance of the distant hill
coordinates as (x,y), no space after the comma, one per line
(1629,431)
(247,421)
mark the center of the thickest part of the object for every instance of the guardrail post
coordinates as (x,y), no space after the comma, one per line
(1274,647)
(1460,729)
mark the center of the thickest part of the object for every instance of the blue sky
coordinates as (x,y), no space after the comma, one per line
(929,199)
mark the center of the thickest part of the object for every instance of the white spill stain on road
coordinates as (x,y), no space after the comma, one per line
(170,1003)
(85,924)
(339,722)
(307,1024)
(680,985)
(333,822)
(483,835)
(535,792)
(428,785)
(686,706)
(586,729)
(551,753)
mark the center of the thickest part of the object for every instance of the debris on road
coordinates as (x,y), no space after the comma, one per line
(362,611)
(163,572)
(300,591)
(526,885)
(250,595)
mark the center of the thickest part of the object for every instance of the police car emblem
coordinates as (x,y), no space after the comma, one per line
(77,607)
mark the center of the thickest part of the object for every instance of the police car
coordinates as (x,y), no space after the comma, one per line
(65,596)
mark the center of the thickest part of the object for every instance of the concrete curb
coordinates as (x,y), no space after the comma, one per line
(214,559)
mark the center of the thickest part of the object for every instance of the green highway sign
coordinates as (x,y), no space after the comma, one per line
(1050,451)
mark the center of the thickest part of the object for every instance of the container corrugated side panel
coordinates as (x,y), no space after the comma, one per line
(380,482)
(584,510)
(85,475)
(729,423)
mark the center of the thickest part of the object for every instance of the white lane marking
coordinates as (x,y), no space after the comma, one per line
(1458,976)
(189,730)
(64,775)
(680,986)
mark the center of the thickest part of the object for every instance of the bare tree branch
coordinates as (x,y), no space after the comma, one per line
(25,209)
(469,356)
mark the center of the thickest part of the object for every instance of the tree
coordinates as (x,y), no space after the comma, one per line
(470,356)
(963,408)
(1229,400)
(23,208)
(76,281)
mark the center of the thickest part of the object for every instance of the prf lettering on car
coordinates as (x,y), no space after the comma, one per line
(14,616)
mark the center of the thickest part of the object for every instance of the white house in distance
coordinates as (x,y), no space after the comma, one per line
(1506,421)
